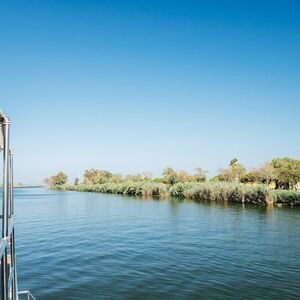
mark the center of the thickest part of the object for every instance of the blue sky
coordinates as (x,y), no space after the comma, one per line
(130,86)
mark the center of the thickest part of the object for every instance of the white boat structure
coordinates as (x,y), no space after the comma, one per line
(9,284)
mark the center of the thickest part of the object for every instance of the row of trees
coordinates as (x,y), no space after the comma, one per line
(170,176)
(283,172)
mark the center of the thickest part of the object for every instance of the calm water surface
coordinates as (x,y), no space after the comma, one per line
(93,246)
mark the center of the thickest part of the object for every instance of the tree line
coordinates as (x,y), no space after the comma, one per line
(284,173)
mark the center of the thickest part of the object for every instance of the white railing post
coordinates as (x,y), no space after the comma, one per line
(4,262)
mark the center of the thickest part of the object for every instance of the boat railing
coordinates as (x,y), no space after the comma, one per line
(8,267)
(26,295)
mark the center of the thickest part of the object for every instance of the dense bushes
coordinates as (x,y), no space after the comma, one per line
(182,189)
(222,192)
(198,191)
(283,197)
(130,188)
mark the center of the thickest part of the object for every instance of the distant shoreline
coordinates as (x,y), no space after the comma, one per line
(205,191)
(27,186)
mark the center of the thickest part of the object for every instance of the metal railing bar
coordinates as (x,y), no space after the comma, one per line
(10,277)
(5,205)
(3,246)
(27,293)
(23,292)
(9,216)
(4,241)
(11,225)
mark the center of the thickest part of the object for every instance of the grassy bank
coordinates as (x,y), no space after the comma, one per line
(283,197)
(144,188)
(219,192)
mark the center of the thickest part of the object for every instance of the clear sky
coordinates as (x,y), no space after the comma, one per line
(130,86)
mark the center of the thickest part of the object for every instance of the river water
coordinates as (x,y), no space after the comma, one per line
(74,245)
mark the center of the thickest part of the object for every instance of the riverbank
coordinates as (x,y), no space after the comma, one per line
(219,192)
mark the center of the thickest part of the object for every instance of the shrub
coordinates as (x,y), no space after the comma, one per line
(181,189)
(203,191)
(60,179)
(258,195)
(154,189)
(284,197)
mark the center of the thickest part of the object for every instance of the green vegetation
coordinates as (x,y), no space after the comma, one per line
(130,188)
(234,172)
(171,177)
(218,192)
(284,197)
(57,180)
(286,172)
(273,183)
(223,192)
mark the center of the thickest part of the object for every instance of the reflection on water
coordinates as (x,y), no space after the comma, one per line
(93,246)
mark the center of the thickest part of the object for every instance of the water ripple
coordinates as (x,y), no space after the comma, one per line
(92,246)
